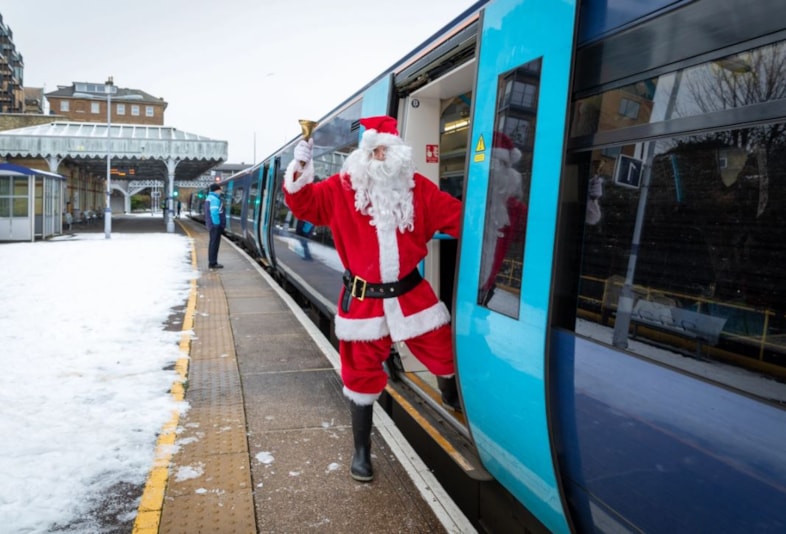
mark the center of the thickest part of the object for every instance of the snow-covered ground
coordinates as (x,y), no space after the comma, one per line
(85,373)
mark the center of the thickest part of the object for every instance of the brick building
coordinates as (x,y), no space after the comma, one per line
(86,102)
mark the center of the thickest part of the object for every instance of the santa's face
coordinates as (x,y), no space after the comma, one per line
(379,153)
(390,167)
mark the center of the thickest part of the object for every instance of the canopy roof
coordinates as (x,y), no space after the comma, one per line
(145,148)
(9,169)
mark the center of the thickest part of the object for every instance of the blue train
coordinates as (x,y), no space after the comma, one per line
(619,288)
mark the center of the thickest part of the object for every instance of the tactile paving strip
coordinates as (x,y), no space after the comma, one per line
(209,488)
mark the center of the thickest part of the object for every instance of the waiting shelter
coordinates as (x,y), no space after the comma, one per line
(31,203)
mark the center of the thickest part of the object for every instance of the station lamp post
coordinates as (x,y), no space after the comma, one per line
(108,208)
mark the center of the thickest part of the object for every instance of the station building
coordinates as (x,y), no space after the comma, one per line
(85,148)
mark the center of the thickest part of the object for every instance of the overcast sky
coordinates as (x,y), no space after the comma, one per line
(236,70)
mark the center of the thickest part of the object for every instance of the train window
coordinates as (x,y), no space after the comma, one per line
(703,266)
(454,139)
(682,253)
(731,82)
(236,205)
(334,140)
(508,189)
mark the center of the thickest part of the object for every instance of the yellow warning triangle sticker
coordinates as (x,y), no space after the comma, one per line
(481,146)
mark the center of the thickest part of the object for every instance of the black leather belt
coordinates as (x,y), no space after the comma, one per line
(360,289)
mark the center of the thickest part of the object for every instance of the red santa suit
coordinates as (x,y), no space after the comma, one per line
(381,254)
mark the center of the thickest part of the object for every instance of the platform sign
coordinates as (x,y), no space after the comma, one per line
(627,172)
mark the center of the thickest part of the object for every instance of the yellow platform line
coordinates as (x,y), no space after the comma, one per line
(433,432)
(148,517)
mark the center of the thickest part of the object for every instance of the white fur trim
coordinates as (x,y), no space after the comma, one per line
(388,255)
(403,328)
(293,185)
(361,329)
(371,139)
(361,399)
(394,323)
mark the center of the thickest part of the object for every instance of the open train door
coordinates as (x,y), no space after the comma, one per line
(505,265)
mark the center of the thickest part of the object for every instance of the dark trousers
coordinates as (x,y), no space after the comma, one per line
(212,248)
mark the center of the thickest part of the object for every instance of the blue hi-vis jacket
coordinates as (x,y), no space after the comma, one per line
(214,211)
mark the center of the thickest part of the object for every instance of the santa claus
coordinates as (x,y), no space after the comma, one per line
(382,215)
(506,213)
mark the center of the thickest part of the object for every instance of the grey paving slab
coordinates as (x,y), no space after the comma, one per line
(253,304)
(286,352)
(282,401)
(301,484)
(273,324)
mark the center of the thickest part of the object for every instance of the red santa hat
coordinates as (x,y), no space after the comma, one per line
(380,131)
(504,149)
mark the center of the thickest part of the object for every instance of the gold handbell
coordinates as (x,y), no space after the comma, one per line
(308,128)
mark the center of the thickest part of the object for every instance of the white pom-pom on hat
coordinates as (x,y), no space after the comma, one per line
(504,149)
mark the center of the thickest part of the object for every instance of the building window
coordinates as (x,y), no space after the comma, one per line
(149,112)
(95,107)
(121,109)
(135,110)
(629,108)
(64,105)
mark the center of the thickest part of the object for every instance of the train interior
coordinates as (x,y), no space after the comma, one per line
(441,106)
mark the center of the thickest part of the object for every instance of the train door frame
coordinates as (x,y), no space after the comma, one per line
(420,114)
(260,211)
(513,372)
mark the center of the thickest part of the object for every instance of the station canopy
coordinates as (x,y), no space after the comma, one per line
(142,151)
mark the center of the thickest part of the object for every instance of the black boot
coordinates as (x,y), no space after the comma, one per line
(450,396)
(361,469)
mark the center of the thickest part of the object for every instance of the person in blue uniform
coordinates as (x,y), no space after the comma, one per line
(216,221)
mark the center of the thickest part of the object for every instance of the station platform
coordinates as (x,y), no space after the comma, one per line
(266,443)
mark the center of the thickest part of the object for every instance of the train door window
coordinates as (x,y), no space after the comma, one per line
(253,196)
(508,189)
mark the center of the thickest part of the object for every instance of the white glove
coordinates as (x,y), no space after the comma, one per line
(303,150)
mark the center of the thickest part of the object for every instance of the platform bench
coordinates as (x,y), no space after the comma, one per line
(687,323)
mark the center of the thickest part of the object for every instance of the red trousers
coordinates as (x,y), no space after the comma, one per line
(361,361)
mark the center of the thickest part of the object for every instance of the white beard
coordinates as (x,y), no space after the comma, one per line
(383,189)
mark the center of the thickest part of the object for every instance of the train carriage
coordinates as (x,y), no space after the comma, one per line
(617,291)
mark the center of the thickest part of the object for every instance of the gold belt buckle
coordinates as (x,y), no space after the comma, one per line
(355,284)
